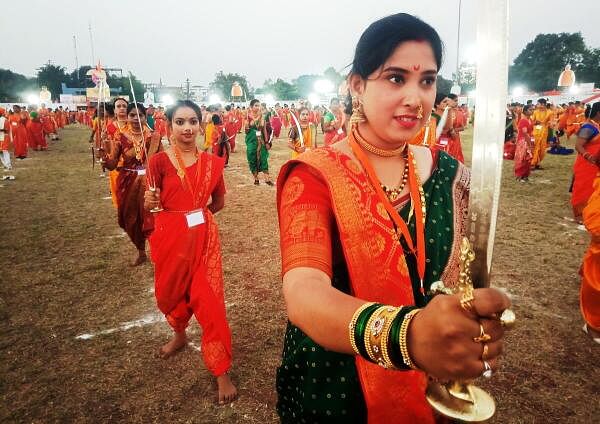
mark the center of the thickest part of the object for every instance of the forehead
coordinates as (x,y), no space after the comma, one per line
(185,113)
(412,53)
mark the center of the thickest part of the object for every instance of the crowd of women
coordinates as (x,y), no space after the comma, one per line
(368,222)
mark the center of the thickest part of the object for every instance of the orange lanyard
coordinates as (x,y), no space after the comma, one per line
(185,178)
(416,196)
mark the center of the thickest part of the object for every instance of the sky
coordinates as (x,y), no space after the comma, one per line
(172,41)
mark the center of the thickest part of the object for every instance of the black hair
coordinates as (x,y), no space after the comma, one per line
(527,108)
(542,101)
(334,100)
(253,102)
(381,38)
(452,96)
(228,108)
(439,97)
(140,107)
(216,119)
(114,103)
(183,103)
(592,111)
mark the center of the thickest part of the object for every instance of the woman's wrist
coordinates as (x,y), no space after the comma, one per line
(379,334)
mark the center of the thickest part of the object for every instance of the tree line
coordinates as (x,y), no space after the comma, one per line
(537,67)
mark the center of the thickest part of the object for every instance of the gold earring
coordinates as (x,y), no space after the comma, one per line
(420,111)
(358,113)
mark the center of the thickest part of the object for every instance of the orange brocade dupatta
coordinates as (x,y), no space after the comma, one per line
(378,273)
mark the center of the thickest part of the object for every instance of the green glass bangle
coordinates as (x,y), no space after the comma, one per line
(393,348)
(394,339)
(361,326)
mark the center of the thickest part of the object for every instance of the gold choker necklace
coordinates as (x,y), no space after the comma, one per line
(376,150)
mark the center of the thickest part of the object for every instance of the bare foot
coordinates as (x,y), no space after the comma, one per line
(140,259)
(178,342)
(227,391)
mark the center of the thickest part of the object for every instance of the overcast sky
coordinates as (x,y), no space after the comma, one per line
(259,38)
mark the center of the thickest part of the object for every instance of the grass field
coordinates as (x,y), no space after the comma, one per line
(64,274)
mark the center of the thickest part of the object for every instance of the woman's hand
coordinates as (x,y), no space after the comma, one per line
(440,337)
(152,199)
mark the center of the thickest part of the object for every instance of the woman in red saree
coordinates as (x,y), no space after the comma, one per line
(114,129)
(18,132)
(587,163)
(128,156)
(524,145)
(185,244)
(367,225)
(333,123)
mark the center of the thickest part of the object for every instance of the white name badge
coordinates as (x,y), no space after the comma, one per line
(14,124)
(195,218)
(340,131)
(443,142)
(141,172)
(258,133)
(538,127)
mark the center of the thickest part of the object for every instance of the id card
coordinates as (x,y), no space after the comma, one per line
(195,218)
(340,131)
(141,172)
(538,127)
(258,133)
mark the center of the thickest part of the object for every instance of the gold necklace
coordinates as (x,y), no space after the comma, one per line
(394,193)
(376,150)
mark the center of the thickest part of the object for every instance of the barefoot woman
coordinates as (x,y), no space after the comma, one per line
(185,244)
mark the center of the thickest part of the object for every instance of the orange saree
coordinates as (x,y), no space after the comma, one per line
(584,171)
(332,219)
(590,269)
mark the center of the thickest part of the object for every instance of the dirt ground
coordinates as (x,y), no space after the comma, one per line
(79,328)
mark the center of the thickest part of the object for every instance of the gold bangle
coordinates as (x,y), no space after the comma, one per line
(402,339)
(387,361)
(368,330)
(378,333)
(352,325)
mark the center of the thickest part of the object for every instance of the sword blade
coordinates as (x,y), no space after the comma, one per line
(488,137)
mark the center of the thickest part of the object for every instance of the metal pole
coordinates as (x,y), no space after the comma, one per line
(76,60)
(92,44)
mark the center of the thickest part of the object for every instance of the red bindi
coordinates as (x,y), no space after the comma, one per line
(416,67)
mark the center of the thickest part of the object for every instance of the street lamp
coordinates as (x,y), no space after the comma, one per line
(214,99)
(167,100)
(518,91)
(323,86)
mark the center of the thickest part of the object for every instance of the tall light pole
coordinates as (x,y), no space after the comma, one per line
(92,44)
(76,60)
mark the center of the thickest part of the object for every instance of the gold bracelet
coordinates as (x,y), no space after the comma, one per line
(387,361)
(378,333)
(369,329)
(352,325)
(402,339)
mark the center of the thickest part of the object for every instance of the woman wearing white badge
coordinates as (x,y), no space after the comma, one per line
(185,245)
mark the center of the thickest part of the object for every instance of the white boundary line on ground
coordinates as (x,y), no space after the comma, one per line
(148,319)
